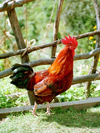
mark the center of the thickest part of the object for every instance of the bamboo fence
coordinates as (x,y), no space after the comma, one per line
(10,5)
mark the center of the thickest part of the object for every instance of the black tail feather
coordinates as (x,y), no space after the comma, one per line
(21,75)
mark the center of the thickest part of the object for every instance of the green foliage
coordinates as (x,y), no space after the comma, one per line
(6,102)
(5,89)
(79,18)
(1,65)
(22,100)
(74,93)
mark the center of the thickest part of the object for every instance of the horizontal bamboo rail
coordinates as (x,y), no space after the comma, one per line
(76,80)
(87,55)
(76,57)
(90,102)
(10,4)
(50,61)
(34,48)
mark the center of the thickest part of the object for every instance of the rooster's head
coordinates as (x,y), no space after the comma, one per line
(70,42)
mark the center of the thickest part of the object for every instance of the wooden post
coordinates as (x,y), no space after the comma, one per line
(20,41)
(95,59)
(56,27)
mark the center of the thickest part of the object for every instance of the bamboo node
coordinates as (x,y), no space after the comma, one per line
(58,41)
(12,6)
(98,75)
(26,51)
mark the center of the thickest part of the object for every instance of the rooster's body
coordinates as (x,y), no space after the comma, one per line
(46,84)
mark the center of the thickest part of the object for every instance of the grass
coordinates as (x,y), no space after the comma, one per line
(62,121)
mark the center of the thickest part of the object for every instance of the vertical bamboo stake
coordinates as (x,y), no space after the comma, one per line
(20,42)
(55,35)
(95,59)
(17,32)
(5,60)
(56,27)
(25,11)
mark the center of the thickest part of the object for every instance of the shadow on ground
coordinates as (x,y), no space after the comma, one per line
(74,118)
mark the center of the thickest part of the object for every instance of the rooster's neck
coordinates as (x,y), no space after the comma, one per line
(63,63)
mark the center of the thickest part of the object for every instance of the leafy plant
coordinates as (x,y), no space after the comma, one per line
(6,102)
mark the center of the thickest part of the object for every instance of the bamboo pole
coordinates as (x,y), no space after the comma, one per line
(88,34)
(20,42)
(17,33)
(29,50)
(56,27)
(87,55)
(96,57)
(10,4)
(55,35)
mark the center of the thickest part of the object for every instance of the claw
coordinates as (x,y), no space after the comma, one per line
(48,109)
(48,113)
(34,110)
(34,114)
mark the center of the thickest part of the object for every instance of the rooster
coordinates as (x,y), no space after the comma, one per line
(46,84)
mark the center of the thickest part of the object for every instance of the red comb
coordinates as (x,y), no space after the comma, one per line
(69,40)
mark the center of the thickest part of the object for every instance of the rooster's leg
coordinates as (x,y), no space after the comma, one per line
(48,109)
(34,109)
